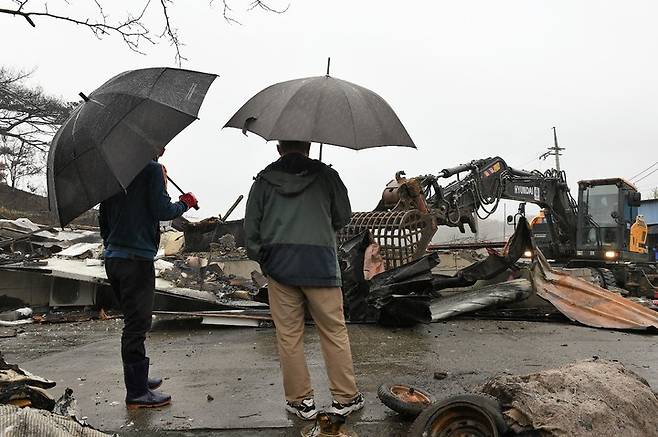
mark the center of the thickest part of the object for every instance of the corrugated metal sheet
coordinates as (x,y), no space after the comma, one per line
(479,299)
(649,209)
(26,422)
(587,303)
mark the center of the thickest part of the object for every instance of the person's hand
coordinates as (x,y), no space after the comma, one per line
(189,200)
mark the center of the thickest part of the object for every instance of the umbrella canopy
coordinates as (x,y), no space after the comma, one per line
(325,110)
(116,131)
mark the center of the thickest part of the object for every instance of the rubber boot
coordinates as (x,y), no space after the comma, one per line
(154,383)
(138,395)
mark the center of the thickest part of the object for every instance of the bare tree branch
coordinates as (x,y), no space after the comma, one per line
(133,30)
(259,4)
(28,115)
(171,33)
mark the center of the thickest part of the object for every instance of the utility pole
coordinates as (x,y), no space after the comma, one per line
(554,151)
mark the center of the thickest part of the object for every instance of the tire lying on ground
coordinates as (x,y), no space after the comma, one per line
(466,414)
(405,399)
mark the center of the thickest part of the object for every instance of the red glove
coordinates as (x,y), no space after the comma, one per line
(189,200)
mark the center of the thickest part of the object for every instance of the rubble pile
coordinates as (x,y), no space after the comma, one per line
(194,272)
(596,398)
(65,270)
(403,295)
(26,408)
(204,267)
(204,270)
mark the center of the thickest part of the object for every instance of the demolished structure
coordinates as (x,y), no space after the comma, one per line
(212,279)
(27,409)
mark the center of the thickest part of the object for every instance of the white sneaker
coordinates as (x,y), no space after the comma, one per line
(304,410)
(345,409)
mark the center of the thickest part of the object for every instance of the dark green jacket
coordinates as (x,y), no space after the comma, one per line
(295,207)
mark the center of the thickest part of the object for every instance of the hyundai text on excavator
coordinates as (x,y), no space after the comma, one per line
(602,231)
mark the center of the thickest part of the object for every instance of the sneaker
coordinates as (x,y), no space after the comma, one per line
(304,410)
(345,409)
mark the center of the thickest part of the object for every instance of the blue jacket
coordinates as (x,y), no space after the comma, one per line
(130,221)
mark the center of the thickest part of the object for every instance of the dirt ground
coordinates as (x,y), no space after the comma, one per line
(226,381)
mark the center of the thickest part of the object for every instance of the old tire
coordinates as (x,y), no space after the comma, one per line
(461,415)
(405,399)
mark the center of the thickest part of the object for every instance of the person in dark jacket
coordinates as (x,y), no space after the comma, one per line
(130,228)
(295,207)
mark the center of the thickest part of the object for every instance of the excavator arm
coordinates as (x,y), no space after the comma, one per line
(480,186)
(410,210)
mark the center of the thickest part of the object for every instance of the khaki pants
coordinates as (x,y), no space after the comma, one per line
(326,308)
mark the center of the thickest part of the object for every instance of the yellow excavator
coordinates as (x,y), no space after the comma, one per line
(601,230)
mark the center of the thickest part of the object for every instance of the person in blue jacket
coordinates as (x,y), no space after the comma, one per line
(130,228)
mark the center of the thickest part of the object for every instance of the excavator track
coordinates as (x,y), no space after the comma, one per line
(605,278)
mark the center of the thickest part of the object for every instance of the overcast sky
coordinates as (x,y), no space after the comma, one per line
(468,79)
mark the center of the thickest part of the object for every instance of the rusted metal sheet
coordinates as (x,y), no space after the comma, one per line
(587,303)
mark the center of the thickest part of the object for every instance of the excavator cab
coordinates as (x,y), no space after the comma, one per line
(608,225)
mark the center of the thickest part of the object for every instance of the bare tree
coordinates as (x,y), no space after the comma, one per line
(27,114)
(19,160)
(28,120)
(132,28)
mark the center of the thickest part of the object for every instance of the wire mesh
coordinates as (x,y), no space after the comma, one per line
(402,235)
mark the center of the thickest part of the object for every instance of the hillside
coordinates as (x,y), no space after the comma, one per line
(15,203)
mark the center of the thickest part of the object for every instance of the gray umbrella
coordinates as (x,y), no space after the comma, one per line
(325,110)
(116,131)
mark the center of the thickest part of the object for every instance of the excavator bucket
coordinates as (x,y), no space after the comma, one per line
(402,235)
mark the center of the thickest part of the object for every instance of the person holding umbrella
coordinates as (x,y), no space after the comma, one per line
(295,206)
(130,228)
(104,153)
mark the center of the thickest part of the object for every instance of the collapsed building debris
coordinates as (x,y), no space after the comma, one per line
(215,275)
(26,409)
(22,235)
(414,292)
(588,303)
(596,398)
(402,295)
(21,388)
(487,297)
(199,235)
(71,272)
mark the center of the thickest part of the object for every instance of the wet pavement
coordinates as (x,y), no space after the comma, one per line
(226,381)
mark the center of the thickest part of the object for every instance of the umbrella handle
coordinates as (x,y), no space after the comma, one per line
(178,188)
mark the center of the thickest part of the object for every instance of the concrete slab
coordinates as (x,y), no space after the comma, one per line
(239,369)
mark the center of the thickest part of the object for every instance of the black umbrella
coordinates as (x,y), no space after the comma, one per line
(116,131)
(325,110)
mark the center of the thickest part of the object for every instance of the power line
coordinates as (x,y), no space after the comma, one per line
(646,169)
(529,162)
(646,176)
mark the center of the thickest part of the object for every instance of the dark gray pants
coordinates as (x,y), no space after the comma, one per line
(133,282)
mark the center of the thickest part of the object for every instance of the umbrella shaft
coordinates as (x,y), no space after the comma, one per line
(175,185)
